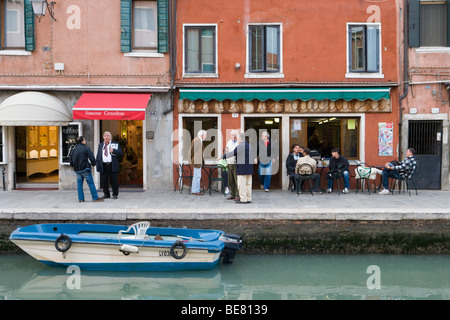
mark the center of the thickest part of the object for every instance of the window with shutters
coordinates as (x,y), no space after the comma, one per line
(429,24)
(144,27)
(364,50)
(433,24)
(264,51)
(16,26)
(200,58)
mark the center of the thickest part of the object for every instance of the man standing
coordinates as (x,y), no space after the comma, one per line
(197,161)
(404,169)
(81,161)
(299,170)
(339,163)
(108,162)
(232,177)
(244,156)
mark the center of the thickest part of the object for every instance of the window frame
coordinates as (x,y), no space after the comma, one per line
(264,74)
(364,73)
(200,74)
(429,3)
(27,18)
(133,29)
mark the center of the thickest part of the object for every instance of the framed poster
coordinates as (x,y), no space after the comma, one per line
(386,139)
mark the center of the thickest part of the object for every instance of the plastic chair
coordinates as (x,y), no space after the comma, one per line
(304,173)
(362,175)
(139,228)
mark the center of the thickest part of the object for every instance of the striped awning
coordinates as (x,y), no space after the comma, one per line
(276,94)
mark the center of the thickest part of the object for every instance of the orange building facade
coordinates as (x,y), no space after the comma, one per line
(321,74)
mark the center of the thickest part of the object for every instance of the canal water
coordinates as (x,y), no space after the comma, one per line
(250,277)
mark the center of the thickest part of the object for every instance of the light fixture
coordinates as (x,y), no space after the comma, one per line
(41,6)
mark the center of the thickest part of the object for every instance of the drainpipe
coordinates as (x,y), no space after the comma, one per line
(405,71)
(172,51)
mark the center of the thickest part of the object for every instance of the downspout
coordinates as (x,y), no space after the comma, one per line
(405,70)
(172,51)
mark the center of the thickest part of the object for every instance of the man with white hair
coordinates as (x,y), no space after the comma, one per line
(231,161)
(197,161)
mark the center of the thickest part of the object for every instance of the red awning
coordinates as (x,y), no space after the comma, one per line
(111,106)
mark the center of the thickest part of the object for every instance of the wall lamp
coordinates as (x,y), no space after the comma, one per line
(41,6)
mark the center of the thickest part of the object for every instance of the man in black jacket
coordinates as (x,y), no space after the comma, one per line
(339,163)
(81,161)
(291,162)
(108,164)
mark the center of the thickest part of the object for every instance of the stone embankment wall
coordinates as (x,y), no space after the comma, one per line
(305,236)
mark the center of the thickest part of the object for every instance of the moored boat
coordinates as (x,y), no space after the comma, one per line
(138,247)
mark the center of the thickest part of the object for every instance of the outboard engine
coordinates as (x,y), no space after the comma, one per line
(233,242)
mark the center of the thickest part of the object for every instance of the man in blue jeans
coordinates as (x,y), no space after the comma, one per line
(339,162)
(404,169)
(81,160)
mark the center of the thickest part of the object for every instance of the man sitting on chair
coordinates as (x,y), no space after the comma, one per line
(299,171)
(404,169)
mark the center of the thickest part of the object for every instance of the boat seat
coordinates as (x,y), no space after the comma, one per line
(139,228)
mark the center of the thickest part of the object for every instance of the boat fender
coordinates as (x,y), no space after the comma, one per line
(63,243)
(127,249)
(178,244)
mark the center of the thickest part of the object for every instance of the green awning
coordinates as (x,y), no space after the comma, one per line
(290,94)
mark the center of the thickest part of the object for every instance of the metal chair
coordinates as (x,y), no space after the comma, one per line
(408,181)
(304,173)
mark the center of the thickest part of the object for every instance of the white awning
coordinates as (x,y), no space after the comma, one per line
(34,109)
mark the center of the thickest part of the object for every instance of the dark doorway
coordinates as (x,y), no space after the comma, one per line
(426,138)
(273,126)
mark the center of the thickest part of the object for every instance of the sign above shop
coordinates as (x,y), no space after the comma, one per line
(111,106)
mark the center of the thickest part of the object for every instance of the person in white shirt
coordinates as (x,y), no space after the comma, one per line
(232,177)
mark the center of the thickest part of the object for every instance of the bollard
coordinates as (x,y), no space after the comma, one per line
(3,176)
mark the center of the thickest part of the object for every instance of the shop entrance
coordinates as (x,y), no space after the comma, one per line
(37,164)
(273,126)
(128,133)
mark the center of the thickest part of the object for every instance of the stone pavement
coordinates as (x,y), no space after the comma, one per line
(274,205)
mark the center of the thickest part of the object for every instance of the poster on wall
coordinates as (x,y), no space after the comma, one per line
(385,138)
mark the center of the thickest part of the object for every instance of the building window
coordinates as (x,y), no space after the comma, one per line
(200,49)
(324,133)
(433,24)
(12,24)
(264,48)
(364,48)
(144,25)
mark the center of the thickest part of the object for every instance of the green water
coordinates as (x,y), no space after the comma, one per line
(250,277)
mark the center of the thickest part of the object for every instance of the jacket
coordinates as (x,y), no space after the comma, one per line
(244,158)
(82,158)
(339,163)
(291,163)
(307,159)
(406,167)
(115,162)
(264,152)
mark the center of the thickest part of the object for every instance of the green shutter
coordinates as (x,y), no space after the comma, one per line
(448,23)
(163,26)
(29,26)
(125,25)
(414,23)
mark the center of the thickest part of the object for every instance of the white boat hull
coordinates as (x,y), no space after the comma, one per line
(94,256)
